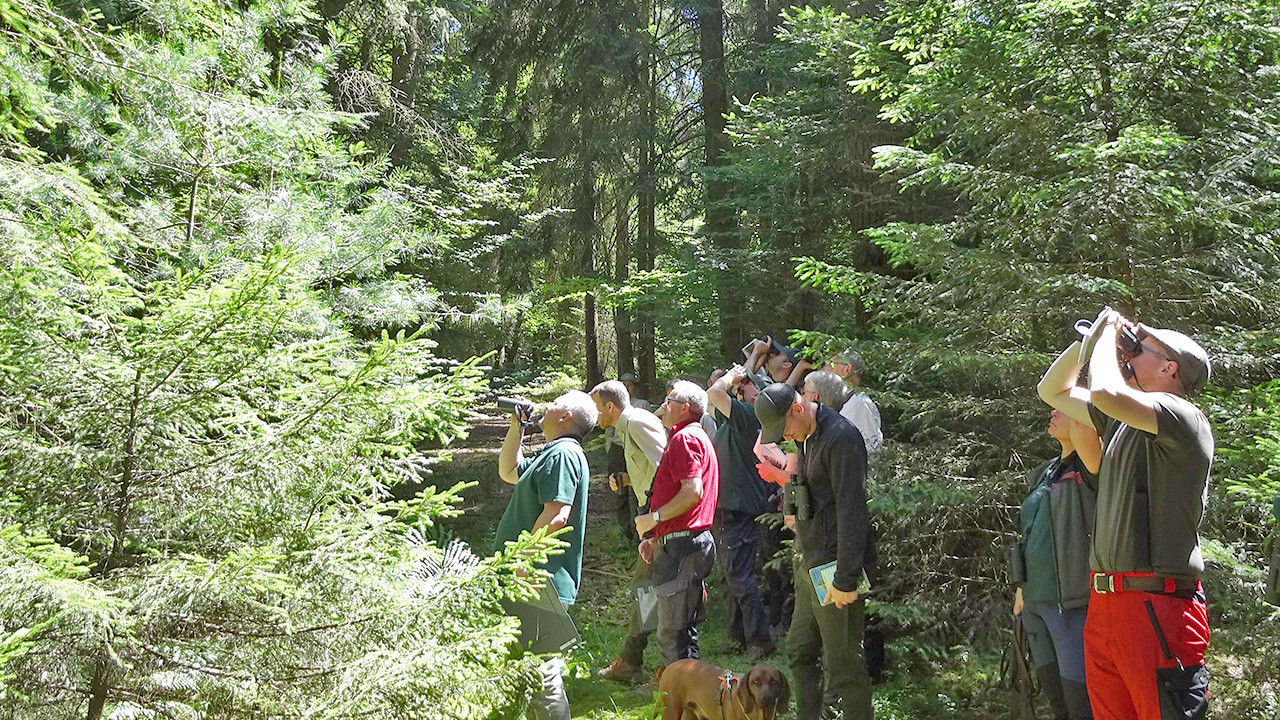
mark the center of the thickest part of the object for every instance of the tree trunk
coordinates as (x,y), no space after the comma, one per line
(585,229)
(646,231)
(589,339)
(719,224)
(621,317)
(403,60)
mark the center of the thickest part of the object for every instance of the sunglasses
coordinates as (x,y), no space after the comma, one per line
(1141,347)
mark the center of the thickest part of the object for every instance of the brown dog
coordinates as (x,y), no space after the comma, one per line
(694,690)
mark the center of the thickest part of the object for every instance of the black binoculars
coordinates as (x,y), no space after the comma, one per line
(522,409)
(795,498)
(1129,342)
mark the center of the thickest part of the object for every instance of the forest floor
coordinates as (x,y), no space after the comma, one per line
(920,682)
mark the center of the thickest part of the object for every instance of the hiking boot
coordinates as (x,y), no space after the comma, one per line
(622,671)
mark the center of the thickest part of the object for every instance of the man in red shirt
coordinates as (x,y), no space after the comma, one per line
(683,503)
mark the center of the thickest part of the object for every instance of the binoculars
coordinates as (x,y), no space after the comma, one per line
(522,409)
(1127,339)
(1129,342)
(795,498)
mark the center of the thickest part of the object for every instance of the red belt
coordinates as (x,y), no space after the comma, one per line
(1103,583)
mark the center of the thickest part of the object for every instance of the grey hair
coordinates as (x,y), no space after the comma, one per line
(613,391)
(851,356)
(583,409)
(687,392)
(830,388)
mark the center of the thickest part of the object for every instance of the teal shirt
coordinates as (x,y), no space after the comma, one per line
(557,473)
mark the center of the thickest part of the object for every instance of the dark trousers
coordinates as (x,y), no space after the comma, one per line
(625,510)
(679,567)
(1057,648)
(737,537)
(778,591)
(830,638)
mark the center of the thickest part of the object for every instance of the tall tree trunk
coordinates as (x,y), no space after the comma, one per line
(646,231)
(403,60)
(585,229)
(590,340)
(719,222)
(622,266)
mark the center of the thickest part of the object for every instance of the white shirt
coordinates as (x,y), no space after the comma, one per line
(860,411)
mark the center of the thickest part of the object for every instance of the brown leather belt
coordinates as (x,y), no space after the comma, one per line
(1103,583)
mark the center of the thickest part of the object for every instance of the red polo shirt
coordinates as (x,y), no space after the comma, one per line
(689,454)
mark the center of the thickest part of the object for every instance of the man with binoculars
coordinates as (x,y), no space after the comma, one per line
(1147,627)
(829,500)
(550,491)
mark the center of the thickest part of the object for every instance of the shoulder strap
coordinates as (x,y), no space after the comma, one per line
(1034,477)
(1141,506)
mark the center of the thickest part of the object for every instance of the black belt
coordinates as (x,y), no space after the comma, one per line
(1104,583)
(679,534)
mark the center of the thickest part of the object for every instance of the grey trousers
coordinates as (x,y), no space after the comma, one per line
(679,567)
(551,702)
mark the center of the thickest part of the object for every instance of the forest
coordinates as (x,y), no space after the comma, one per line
(266,263)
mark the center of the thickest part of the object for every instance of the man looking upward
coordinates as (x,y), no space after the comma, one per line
(551,492)
(743,497)
(858,407)
(1147,627)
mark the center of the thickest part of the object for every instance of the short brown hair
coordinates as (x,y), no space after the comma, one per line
(613,391)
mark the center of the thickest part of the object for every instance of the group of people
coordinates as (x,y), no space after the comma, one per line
(1110,592)
(692,478)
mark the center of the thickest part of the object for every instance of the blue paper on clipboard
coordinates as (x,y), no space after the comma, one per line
(823,575)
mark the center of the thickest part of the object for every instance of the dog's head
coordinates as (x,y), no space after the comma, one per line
(767,689)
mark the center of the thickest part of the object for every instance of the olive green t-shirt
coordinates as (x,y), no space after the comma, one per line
(557,473)
(1177,459)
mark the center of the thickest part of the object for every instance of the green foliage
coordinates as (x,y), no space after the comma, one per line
(1100,153)
(207,390)
(1248,433)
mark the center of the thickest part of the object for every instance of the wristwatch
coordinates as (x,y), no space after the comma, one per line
(655,517)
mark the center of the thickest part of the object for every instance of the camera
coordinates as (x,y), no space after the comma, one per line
(522,409)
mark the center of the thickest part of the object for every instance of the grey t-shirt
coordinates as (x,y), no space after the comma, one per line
(1177,459)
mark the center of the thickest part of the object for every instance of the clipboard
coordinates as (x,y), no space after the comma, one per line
(545,627)
(823,575)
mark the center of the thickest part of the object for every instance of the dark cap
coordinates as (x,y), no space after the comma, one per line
(771,406)
(1193,361)
(777,348)
(792,354)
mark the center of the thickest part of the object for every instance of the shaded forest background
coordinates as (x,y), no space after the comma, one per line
(261,255)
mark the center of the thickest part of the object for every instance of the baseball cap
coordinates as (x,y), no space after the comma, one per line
(1193,361)
(771,406)
(628,377)
(787,351)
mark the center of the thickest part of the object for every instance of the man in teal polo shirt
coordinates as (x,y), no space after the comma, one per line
(551,492)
